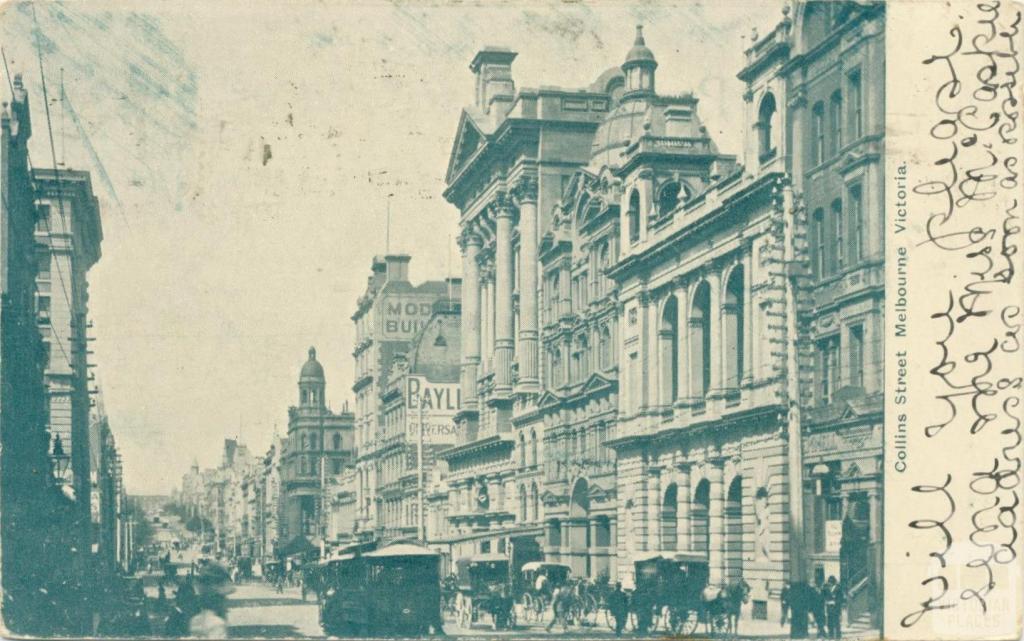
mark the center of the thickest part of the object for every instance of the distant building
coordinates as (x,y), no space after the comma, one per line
(388,315)
(315,434)
(420,400)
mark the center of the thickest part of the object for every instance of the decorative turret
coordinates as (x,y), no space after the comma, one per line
(639,68)
(311,382)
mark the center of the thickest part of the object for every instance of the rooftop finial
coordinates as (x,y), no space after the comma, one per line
(639,35)
(312,353)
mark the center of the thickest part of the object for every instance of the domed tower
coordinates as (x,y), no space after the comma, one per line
(311,382)
(639,68)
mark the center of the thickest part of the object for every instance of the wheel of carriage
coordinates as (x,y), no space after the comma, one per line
(683,621)
(720,623)
(609,620)
(512,620)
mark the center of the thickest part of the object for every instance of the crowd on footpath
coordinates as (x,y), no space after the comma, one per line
(823,602)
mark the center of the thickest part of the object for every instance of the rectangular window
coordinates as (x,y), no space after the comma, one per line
(855,205)
(828,369)
(43,263)
(856,350)
(43,218)
(43,306)
(856,110)
(836,122)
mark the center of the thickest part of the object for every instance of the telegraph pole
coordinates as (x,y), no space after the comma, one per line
(323,485)
(419,475)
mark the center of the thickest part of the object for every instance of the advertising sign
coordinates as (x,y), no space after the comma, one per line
(833,535)
(436,404)
(400,316)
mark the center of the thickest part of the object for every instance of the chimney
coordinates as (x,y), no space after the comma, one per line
(492,67)
(397,267)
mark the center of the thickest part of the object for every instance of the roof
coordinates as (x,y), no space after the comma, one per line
(401,549)
(639,52)
(536,565)
(488,558)
(671,555)
(312,369)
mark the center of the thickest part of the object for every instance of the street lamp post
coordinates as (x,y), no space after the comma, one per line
(419,476)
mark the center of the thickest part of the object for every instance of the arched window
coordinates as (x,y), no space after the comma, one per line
(836,121)
(765,128)
(556,367)
(605,346)
(534,503)
(700,341)
(523,516)
(669,514)
(818,132)
(313,441)
(733,310)
(668,198)
(818,240)
(532,459)
(733,513)
(839,236)
(579,358)
(522,450)
(633,216)
(303,442)
(337,441)
(668,351)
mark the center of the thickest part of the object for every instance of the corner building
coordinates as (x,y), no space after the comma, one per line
(666,348)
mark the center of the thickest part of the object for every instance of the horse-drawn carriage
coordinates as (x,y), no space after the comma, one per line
(483,588)
(673,594)
(536,601)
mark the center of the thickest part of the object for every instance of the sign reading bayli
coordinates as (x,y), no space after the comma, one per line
(436,404)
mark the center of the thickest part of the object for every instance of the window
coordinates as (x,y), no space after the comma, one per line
(43,262)
(765,119)
(522,450)
(856,113)
(579,358)
(46,355)
(838,229)
(733,311)
(633,217)
(668,199)
(836,121)
(668,348)
(43,306)
(856,350)
(313,441)
(828,369)
(337,441)
(556,367)
(700,341)
(43,218)
(855,206)
(818,231)
(336,466)
(532,459)
(605,347)
(818,132)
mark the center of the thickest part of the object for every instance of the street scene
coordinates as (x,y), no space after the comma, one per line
(395,321)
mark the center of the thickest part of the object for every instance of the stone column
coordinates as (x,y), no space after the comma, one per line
(717,334)
(683,539)
(526,196)
(470,245)
(503,343)
(716,524)
(747,375)
(653,508)
(683,340)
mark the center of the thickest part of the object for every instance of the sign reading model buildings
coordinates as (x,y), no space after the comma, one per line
(401,316)
(435,404)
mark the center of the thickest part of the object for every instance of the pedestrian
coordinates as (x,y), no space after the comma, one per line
(618,605)
(211,620)
(644,610)
(560,608)
(818,607)
(832,595)
(784,602)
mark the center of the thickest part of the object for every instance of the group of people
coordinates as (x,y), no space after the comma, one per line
(823,601)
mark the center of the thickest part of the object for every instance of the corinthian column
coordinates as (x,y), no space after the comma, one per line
(526,196)
(470,244)
(503,342)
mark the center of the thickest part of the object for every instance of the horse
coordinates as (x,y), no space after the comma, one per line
(725,601)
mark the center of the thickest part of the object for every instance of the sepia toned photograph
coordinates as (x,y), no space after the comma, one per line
(393,319)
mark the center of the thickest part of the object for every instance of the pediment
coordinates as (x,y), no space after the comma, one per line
(548,399)
(469,139)
(597,382)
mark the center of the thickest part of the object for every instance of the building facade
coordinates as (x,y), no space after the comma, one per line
(319,445)
(666,348)
(388,316)
(418,405)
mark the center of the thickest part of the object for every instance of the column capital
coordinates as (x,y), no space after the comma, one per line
(502,206)
(525,189)
(469,238)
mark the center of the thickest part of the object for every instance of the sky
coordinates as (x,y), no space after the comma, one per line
(221,267)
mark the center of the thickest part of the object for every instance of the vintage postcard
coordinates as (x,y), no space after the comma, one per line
(526,319)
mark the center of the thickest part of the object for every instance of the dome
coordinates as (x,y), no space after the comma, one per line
(639,52)
(623,125)
(312,368)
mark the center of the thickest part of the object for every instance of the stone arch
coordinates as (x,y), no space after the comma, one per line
(668,350)
(700,518)
(669,518)
(700,355)
(767,126)
(733,531)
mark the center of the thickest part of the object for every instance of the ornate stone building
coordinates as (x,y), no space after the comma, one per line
(316,436)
